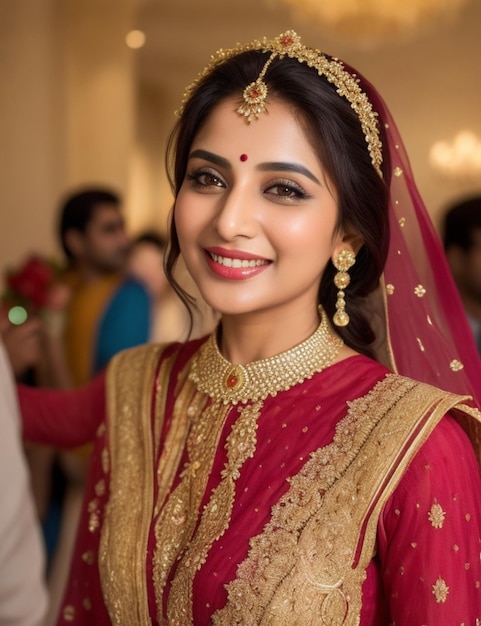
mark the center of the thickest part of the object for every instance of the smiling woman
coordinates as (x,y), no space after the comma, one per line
(256,236)
(314,460)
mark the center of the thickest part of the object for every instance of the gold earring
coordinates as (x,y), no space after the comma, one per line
(344,260)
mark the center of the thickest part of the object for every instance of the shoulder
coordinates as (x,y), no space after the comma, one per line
(180,352)
(131,289)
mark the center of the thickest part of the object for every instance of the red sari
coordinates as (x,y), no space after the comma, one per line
(174,532)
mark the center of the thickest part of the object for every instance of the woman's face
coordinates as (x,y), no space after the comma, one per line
(255,215)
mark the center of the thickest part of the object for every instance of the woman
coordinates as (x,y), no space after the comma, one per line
(278,472)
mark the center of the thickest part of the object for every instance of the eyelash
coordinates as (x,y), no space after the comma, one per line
(196,175)
(298,193)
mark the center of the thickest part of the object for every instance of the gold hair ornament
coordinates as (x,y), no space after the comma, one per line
(289,44)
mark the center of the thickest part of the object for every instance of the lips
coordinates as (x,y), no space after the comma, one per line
(230,262)
(235,265)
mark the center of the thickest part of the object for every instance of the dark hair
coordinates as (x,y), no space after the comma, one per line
(153,237)
(460,220)
(336,135)
(78,209)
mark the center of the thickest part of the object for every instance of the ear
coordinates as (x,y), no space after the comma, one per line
(347,241)
(74,241)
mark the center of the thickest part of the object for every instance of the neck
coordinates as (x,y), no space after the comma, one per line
(248,338)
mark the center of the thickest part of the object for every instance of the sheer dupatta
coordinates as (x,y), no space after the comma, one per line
(424,330)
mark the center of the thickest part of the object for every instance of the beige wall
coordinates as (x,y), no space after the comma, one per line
(31,123)
(67,111)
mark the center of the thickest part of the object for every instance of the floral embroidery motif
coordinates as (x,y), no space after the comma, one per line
(389,289)
(419,291)
(69,613)
(93,509)
(456,365)
(436,516)
(398,172)
(88,557)
(440,591)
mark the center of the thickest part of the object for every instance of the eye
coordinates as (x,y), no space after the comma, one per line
(285,189)
(205,179)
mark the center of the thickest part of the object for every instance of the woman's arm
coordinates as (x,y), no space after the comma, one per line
(64,419)
(429,534)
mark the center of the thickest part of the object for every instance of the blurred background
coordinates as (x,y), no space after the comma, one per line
(90,87)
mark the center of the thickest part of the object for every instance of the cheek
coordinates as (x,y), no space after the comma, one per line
(182,223)
(308,237)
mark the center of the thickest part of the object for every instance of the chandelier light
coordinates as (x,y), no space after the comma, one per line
(458,159)
(365,21)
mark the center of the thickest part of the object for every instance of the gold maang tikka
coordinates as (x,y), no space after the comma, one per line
(289,44)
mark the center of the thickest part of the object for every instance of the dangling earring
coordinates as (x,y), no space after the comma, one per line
(344,260)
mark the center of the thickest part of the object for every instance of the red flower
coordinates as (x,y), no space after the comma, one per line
(32,282)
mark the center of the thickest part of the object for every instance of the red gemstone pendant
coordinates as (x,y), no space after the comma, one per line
(232,381)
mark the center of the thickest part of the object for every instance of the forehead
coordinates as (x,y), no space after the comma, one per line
(106,213)
(274,134)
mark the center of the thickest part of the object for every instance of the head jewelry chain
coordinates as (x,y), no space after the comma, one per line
(289,44)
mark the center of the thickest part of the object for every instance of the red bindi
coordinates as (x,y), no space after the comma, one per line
(243,157)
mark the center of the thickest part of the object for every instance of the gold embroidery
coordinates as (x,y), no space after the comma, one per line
(419,291)
(88,557)
(456,366)
(179,515)
(440,591)
(312,536)
(398,172)
(436,516)
(100,488)
(122,553)
(93,511)
(69,613)
(105,460)
(240,446)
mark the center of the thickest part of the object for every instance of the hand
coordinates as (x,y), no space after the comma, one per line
(22,343)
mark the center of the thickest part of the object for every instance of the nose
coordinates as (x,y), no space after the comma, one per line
(236,215)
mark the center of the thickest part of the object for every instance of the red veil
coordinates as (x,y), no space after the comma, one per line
(428,336)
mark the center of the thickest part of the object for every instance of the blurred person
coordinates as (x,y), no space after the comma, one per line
(23,597)
(106,311)
(146,263)
(462,244)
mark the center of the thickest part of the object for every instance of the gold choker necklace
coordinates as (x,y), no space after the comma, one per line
(221,380)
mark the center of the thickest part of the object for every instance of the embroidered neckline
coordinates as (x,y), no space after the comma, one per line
(221,380)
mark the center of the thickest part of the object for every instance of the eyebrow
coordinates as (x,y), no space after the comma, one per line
(288,167)
(279,166)
(210,156)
